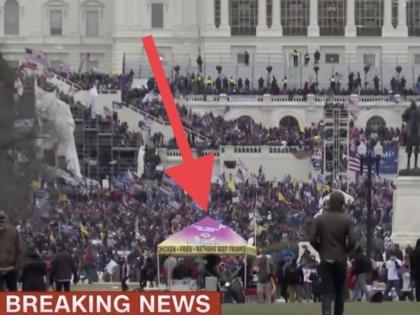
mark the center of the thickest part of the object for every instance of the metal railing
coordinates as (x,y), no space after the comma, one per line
(163,122)
(278,99)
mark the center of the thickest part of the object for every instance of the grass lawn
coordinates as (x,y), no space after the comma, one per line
(315,309)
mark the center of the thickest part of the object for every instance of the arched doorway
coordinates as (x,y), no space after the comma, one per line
(375,123)
(289,122)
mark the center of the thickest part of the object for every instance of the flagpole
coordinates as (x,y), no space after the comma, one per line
(255,221)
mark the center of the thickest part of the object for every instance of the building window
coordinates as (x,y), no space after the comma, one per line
(243,17)
(92,23)
(11,17)
(217,13)
(369,59)
(269,13)
(369,17)
(417,59)
(413,17)
(295,17)
(56,22)
(332,17)
(395,13)
(332,58)
(157,15)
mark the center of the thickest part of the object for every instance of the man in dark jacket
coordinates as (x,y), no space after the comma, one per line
(317,56)
(361,268)
(181,271)
(294,279)
(333,237)
(63,267)
(415,268)
(148,273)
(33,272)
(10,254)
(124,273)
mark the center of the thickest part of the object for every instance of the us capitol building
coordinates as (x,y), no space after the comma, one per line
(373,32)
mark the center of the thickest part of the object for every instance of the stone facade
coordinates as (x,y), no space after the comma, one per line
(189,28)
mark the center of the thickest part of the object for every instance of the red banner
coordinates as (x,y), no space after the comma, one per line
(110,303)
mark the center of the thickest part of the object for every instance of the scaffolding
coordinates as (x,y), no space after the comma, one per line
(336,141)
(103,154)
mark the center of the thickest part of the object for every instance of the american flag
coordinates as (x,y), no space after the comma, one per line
(353,164)
(36,56)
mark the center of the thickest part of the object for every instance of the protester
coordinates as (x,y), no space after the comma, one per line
(33,273)
(294,279)
(181,271)
(124,273)
(406,282)
(333,237)
(63,268)
(415,268)
(393,266)
(264,280)
(361,267)
(10,254)
(148,274)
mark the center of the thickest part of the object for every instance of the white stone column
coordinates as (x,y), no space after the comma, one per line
(262,17)
(388,30)
(351,30)
(119,14)
(277,18)
(402,28)
(176,13)
(224,14)
(209,14)
(313,28)
(142,17)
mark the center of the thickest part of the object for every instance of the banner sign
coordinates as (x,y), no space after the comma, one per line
(101,303)
(389,161)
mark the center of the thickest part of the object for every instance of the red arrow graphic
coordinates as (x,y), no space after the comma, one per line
(192,175)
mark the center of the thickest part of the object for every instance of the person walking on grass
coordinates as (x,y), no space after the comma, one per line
(294,279)
(415,268)
(265,271)
(10,254)
(361,267)
(333,237)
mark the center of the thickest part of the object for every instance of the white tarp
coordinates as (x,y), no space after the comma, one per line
(305,246)
(140,161)
(57,129)
(111,267)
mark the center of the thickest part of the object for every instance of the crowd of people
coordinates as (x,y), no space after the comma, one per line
(243,131)
(109,123)
(87,232)
(106,225)
(197,84)
(102,81)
